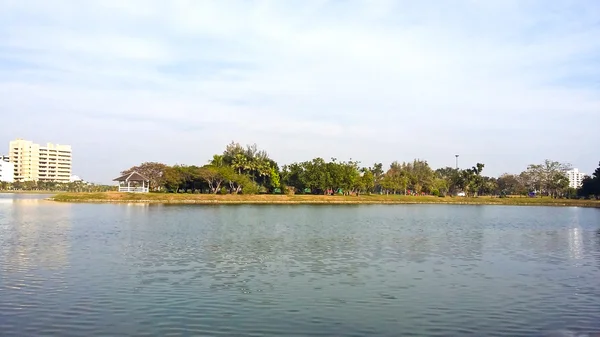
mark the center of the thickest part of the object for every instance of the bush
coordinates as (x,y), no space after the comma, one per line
(250,188)
(435,192)
(289,190)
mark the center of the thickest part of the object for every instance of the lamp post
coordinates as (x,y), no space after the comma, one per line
(456,161)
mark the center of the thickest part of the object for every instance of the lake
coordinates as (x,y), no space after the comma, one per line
(296,270)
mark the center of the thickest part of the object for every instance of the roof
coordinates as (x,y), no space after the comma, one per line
(133,176)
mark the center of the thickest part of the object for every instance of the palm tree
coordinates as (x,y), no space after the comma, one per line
(217,160)
(240,163)
(264,169)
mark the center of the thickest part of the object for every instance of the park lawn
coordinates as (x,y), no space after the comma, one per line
(187,198)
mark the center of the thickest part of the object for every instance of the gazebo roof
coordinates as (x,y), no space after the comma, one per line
(133,176)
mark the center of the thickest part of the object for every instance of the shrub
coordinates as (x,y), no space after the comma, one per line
(250,188)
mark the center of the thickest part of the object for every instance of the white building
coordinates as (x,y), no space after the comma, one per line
(575,178)
(35,162)
(7,171)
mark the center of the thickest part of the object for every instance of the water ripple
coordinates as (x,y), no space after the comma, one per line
(87,270)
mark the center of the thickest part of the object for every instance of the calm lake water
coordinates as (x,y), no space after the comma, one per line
(389,270)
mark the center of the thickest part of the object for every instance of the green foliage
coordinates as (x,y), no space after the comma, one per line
(451,178)
(153,171)
(590,187)
(547,178)
(275,180)
(172,179)
(510,184)
(367,181)
(248,170)
(42,186)
(396,179)
(213,176)
(322,177)
(571,193)
(251,188)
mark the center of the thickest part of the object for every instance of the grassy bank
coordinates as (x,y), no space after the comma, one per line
(114,197)
(28,192)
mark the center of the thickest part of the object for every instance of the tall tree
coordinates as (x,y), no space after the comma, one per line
(510,184)
(591,185)
(153,171)
(452,178)
(367,181)
(377,171)
(546,177)
(213,176)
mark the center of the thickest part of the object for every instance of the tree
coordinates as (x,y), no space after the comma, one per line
(217,160)
(440,187)
(396,179)
(213,177)
(236,181)
(420,175)
(558,184)
(377,171)
(153,171)
(367,181)
(293,177)
(590,186)
(509,184)
(240,163)
(477,180)
(275,178)
(489,186)
(172,179)
(470,180)
(316,177)
(546,177)
(451,177)
(247,169)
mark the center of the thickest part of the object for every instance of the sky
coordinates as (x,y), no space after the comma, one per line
(503,82)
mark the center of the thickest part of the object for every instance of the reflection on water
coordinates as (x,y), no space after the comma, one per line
(576,243)
(575,236)
(311,270)
(35,234)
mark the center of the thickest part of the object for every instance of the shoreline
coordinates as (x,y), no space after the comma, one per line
(28,192)
(211,199)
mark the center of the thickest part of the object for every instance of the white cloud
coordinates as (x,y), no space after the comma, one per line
(385,80)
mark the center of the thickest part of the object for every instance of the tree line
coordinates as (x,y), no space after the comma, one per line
(591,185)
(249,170)
(77,186)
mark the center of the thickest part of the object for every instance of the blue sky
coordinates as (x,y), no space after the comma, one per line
(503,82)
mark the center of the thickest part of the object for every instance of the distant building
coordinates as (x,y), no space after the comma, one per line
(34,162)
(575,178)
(7,171)
(75,178)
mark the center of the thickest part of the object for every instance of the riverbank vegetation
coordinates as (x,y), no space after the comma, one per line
(185,198)
(52,187)
(248,170)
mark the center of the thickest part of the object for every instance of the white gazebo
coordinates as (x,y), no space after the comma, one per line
(133,182)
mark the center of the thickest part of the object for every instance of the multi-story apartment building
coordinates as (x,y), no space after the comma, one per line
(575,178)
(34,162)
(7,170)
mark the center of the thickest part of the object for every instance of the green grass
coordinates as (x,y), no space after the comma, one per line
(183,198)
(29,192)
